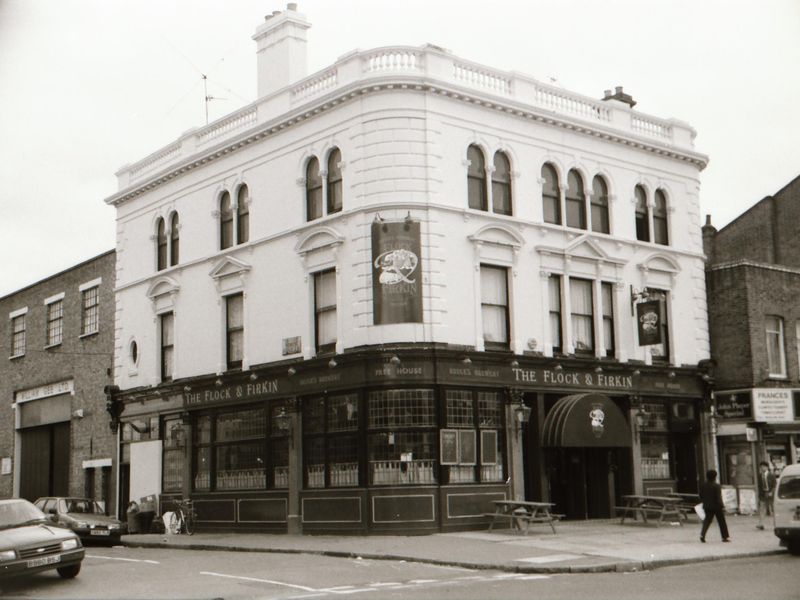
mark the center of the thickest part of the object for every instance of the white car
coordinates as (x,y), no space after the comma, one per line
(786,508)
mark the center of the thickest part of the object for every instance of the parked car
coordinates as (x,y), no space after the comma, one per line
(84,516)
(30,543)
(786,508)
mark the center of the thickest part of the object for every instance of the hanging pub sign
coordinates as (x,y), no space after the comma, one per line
(396,272)
(648,321)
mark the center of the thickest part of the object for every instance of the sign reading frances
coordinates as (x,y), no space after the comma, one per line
(396,272)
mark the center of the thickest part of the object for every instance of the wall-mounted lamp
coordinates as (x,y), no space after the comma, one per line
(636,373)
(253,376)
(598,369)
(514,363)
(671,375)
(291,371)
(395,360)
(642,417)
(558,368)
(187,388)
(77,413)
(466,360)
(332,363)
(218,382)
(522,413)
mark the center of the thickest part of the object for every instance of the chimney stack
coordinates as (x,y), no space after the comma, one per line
(619,96)
(281,49)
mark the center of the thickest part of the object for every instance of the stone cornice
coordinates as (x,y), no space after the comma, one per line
(405,83)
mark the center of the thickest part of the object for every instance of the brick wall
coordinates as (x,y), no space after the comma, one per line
(87,360)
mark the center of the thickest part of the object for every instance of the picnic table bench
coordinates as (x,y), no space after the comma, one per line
(686,503)
(520,514)
(651,506)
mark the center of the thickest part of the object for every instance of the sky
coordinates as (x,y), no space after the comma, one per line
(87,86)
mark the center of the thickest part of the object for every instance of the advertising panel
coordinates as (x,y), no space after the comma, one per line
(396,272)
(648,322)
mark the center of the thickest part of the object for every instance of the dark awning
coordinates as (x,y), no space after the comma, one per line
(586,420)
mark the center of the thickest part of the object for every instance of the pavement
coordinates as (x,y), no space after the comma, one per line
(578,546)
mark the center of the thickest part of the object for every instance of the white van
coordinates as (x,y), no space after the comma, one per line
(787,508)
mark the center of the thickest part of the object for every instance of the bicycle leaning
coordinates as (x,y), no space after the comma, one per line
(183,518)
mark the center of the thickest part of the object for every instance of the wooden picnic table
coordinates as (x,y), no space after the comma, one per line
(687,503)
(522,512)
(646,506)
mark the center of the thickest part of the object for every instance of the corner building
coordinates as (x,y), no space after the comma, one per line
(358,303)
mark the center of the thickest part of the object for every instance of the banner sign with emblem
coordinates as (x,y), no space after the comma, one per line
(396,272)
(648,321)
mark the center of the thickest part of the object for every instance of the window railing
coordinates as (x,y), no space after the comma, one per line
(241,479)
(393,472)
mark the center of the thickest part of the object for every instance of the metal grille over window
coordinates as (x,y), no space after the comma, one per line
(91,311)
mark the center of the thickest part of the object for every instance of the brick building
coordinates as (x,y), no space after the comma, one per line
(59,335)
(387,293)
(753,282)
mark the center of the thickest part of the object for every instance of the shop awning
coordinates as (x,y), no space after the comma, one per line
(586,420)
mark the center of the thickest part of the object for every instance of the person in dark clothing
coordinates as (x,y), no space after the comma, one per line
(711,497)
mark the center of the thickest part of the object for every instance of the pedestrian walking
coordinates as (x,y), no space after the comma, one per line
(766,488)
(711,497)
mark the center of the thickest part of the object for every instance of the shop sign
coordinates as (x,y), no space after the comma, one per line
(773,405)
(734,406)
(565,378)
(396,272)
(45,391)
(388,371)
(648,322)
(233,393)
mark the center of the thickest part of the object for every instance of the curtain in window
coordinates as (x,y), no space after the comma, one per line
(243,221)
(576,203)
(554,289)
(582,321)
(551,203)
(501,184)
(494,304)
(334,182)
(476,179)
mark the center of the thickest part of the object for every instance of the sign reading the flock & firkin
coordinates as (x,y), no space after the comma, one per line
(396,272)
(648,321)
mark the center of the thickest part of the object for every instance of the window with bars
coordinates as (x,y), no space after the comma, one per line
(575,201)
(234,330)
(599,205)
(174,454)
(90,314)
(167,322)
(330,431)
(501,184)
(494,307)
(313,190)
(582,312)
(470,453)
(554,291)
(325,310)
(243,215)
(225,221)
(402,436)
(551,195)
(476,179)
(161,245)
(18,335)
(334,201)
(55,322)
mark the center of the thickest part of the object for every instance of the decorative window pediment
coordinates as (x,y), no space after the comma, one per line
(229,266)
(498,235)
(583,248)
(321,238)
(661,263)
(162,286)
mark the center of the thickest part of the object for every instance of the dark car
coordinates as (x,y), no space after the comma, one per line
(84,516)
(29,543)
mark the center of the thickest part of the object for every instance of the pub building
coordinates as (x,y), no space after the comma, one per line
(360,304)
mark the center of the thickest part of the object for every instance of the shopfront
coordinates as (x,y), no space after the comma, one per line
(404,441)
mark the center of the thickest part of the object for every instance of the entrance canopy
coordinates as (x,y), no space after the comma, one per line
(586,420)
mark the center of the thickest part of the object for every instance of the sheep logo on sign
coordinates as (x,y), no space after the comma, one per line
(597,416)
(396,266)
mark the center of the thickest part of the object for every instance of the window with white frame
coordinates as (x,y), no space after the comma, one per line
(642,215)
(55,322)
(476,179)
(554,291)
(494,306)
(234,330)
(334,201)
(551,195)
(660,225)
(575,201)
(501,184)
(174,240)
(607,299)
(313,190)
(225,221)
(167,334)
(582,313)
(18,336)
(90,310)
(243,215)
(599,205)
(161,245)
(325,310)
(776,355)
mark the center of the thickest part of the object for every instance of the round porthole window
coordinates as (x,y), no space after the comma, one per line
(134,352)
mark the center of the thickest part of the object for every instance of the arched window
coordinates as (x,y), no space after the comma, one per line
(313,190)
(501,184)
(551,196)
(660,234)
(642,215)
(243,215)
(575,201)
(161,245)
(599,202)
(175,241)
(334,182)
(476,179)
(225,222)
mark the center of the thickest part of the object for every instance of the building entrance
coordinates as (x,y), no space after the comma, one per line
(44,461)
